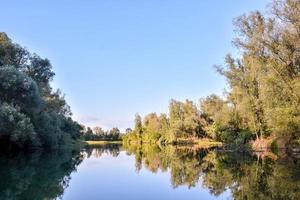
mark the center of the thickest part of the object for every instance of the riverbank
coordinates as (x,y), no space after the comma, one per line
(201,142)
(103,142)
(198,143)
(274,143)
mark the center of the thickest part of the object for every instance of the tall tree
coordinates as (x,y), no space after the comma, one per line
(268,67)
(138,127)
(31,113)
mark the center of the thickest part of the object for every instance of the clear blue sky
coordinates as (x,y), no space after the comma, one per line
(114,58)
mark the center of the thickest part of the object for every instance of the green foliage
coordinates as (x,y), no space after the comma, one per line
(31,114)
(100,135)
(12,54)
(264,80)
(151,128)
(184,121)
(16,128)
(138,127)
(263,97)
(264,87)
(19,89)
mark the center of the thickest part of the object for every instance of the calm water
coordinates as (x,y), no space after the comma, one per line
(149,172)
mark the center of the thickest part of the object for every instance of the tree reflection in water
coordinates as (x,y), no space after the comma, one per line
(98,150)
(36,176)
(248,176)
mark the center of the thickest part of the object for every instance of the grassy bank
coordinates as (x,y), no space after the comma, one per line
(103,142)
(198,143)
(209,143)
(203,142)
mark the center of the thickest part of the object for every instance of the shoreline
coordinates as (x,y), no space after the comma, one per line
(103,142)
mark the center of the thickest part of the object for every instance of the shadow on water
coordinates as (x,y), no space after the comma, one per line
(36,176)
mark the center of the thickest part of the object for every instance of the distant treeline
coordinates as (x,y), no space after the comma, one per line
(98,134)
(32,114)
(263,95)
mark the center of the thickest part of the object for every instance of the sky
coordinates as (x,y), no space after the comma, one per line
(115,58)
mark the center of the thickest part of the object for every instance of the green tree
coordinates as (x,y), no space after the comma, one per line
(138,126)
(15,128)
(31,113)
(152,128)
(264,81)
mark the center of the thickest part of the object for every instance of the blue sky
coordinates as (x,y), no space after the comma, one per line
(113,59)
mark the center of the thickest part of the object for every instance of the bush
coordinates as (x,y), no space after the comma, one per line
(16,128)
(19,89)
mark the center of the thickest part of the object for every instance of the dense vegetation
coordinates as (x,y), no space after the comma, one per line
(32,115)
(262,99)
(98,134)
(263,95)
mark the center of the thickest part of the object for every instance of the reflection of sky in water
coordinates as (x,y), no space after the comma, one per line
(109,177)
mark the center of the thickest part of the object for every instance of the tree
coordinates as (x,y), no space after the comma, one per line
(152,128)
(32,114)
(12,54)
(16,128)
(164,123)
(114,134)
(128,130)
(185,119)
(192,121)
(138,127)
(176,120)
(268,67)
(19,89)
(98,131)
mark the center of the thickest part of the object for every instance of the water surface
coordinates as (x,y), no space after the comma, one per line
(149,172)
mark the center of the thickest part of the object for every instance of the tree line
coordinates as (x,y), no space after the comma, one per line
(98,134)
(263,95)
(32,113)
(262,99)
